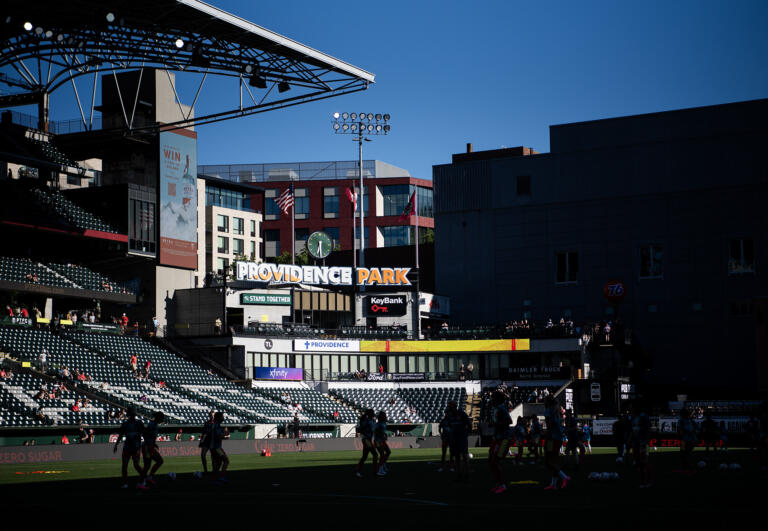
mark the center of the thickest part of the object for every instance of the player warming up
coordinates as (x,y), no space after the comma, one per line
(641,432)
(219,459)
(502,437)
(131,429)
(554,437)
(205,435)
(380,442)
(445,441)
(366,428)
(150,450)
(460,425)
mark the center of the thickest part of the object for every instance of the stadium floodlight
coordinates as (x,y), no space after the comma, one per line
(283,86)
(48,34)
(179,43)
(360,125)
(28,26)
(59,37)
(257,81)
(110,17)
(39,30)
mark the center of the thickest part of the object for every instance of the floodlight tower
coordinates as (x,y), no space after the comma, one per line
(361,125)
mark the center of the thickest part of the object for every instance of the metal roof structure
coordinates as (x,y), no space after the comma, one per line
(47,45)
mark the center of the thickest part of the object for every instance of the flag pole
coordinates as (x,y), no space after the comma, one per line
(416,213)
(418,271)
(293,230)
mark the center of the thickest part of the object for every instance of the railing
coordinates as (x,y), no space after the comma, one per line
(299,330)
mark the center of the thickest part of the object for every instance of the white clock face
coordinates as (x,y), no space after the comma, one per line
(319,245)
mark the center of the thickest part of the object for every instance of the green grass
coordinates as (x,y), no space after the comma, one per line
(324,481)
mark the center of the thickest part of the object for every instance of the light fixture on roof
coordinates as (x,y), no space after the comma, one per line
(283,86)
(198,59)
(257,81)
(353,116)
(179,43)
(39,30)
(248,69)
(110,17)
(386,117)
(378,117)
(336,126)
(336,116)
(28,26)
(370,116)
(48,34)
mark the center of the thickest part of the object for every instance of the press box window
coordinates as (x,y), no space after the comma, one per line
(741,257)
(330,202)
(523,185)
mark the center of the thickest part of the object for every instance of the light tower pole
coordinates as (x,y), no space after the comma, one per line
(361,125)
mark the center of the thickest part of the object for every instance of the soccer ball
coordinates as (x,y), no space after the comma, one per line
(619,460)
(471,456)
(197,475)
(701,464)
(172,476)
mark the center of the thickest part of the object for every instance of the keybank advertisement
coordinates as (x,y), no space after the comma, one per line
(325,345)
(178,198)
(321,275)
(277,373)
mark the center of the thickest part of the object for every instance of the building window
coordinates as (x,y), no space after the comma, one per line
(222,265)
(253,228)
(302,235)
(238,247)
(396,196)
(394,236)
(567,267)
(271,210)
(223,245)
(333,233)
(651,259)
(366,202)
(271,243)
(302,203)
(222,223)
(253,250)
(523,185)
(238,226)
(331,202)
(741,257)
(424,202)
(355,236)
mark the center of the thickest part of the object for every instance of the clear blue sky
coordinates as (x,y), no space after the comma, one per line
(496,73)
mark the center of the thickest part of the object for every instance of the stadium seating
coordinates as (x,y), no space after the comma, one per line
(55,200)
(404,404)
(49,152)
(18,269)
(313,403)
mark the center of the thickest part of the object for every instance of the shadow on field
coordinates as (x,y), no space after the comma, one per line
(417,488)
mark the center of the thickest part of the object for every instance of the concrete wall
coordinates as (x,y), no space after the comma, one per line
(167,281)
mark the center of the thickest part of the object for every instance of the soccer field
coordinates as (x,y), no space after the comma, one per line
(325,481)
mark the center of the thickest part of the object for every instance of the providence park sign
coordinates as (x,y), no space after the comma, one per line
(323,276)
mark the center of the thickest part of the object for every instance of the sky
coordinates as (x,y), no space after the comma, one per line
(495,73)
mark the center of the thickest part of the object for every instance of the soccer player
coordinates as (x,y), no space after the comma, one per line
(554,441)
(150,450)
(519,432)
(710,433)
(640,433)
(573,438)
(219,459)
(586,437)
(132,430)
(534,440)
(380,441)
(502,437)
(460,424)
(205,435)
(366,427)
(688,437)
(445,436)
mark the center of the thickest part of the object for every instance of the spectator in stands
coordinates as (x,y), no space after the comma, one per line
(64,439)
(381,368)
(134,362)
(217,326)
(24,312)
(146,368)
(92,318)
(43,359)
(124,322)
(2,373)
(39,415)
(9,310)
(76,406)
(178,435)
(470,370)
(74,318)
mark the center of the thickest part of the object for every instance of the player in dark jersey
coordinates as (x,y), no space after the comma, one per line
(502,437)
(688,439)
(380,442)
(366,428)
(534,437)
(149,448)
(640,432)
(574,446)
(219,459)
(132,429)
(445,433)
(710,433)
(460,425)
(205,434)
(554,437)
(586,437)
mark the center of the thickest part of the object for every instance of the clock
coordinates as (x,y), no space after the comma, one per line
(319,245)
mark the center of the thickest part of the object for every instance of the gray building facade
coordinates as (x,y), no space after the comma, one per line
(672,204)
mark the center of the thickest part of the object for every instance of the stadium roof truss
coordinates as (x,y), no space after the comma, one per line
(47,45)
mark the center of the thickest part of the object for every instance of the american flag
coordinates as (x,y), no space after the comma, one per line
(285,201)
